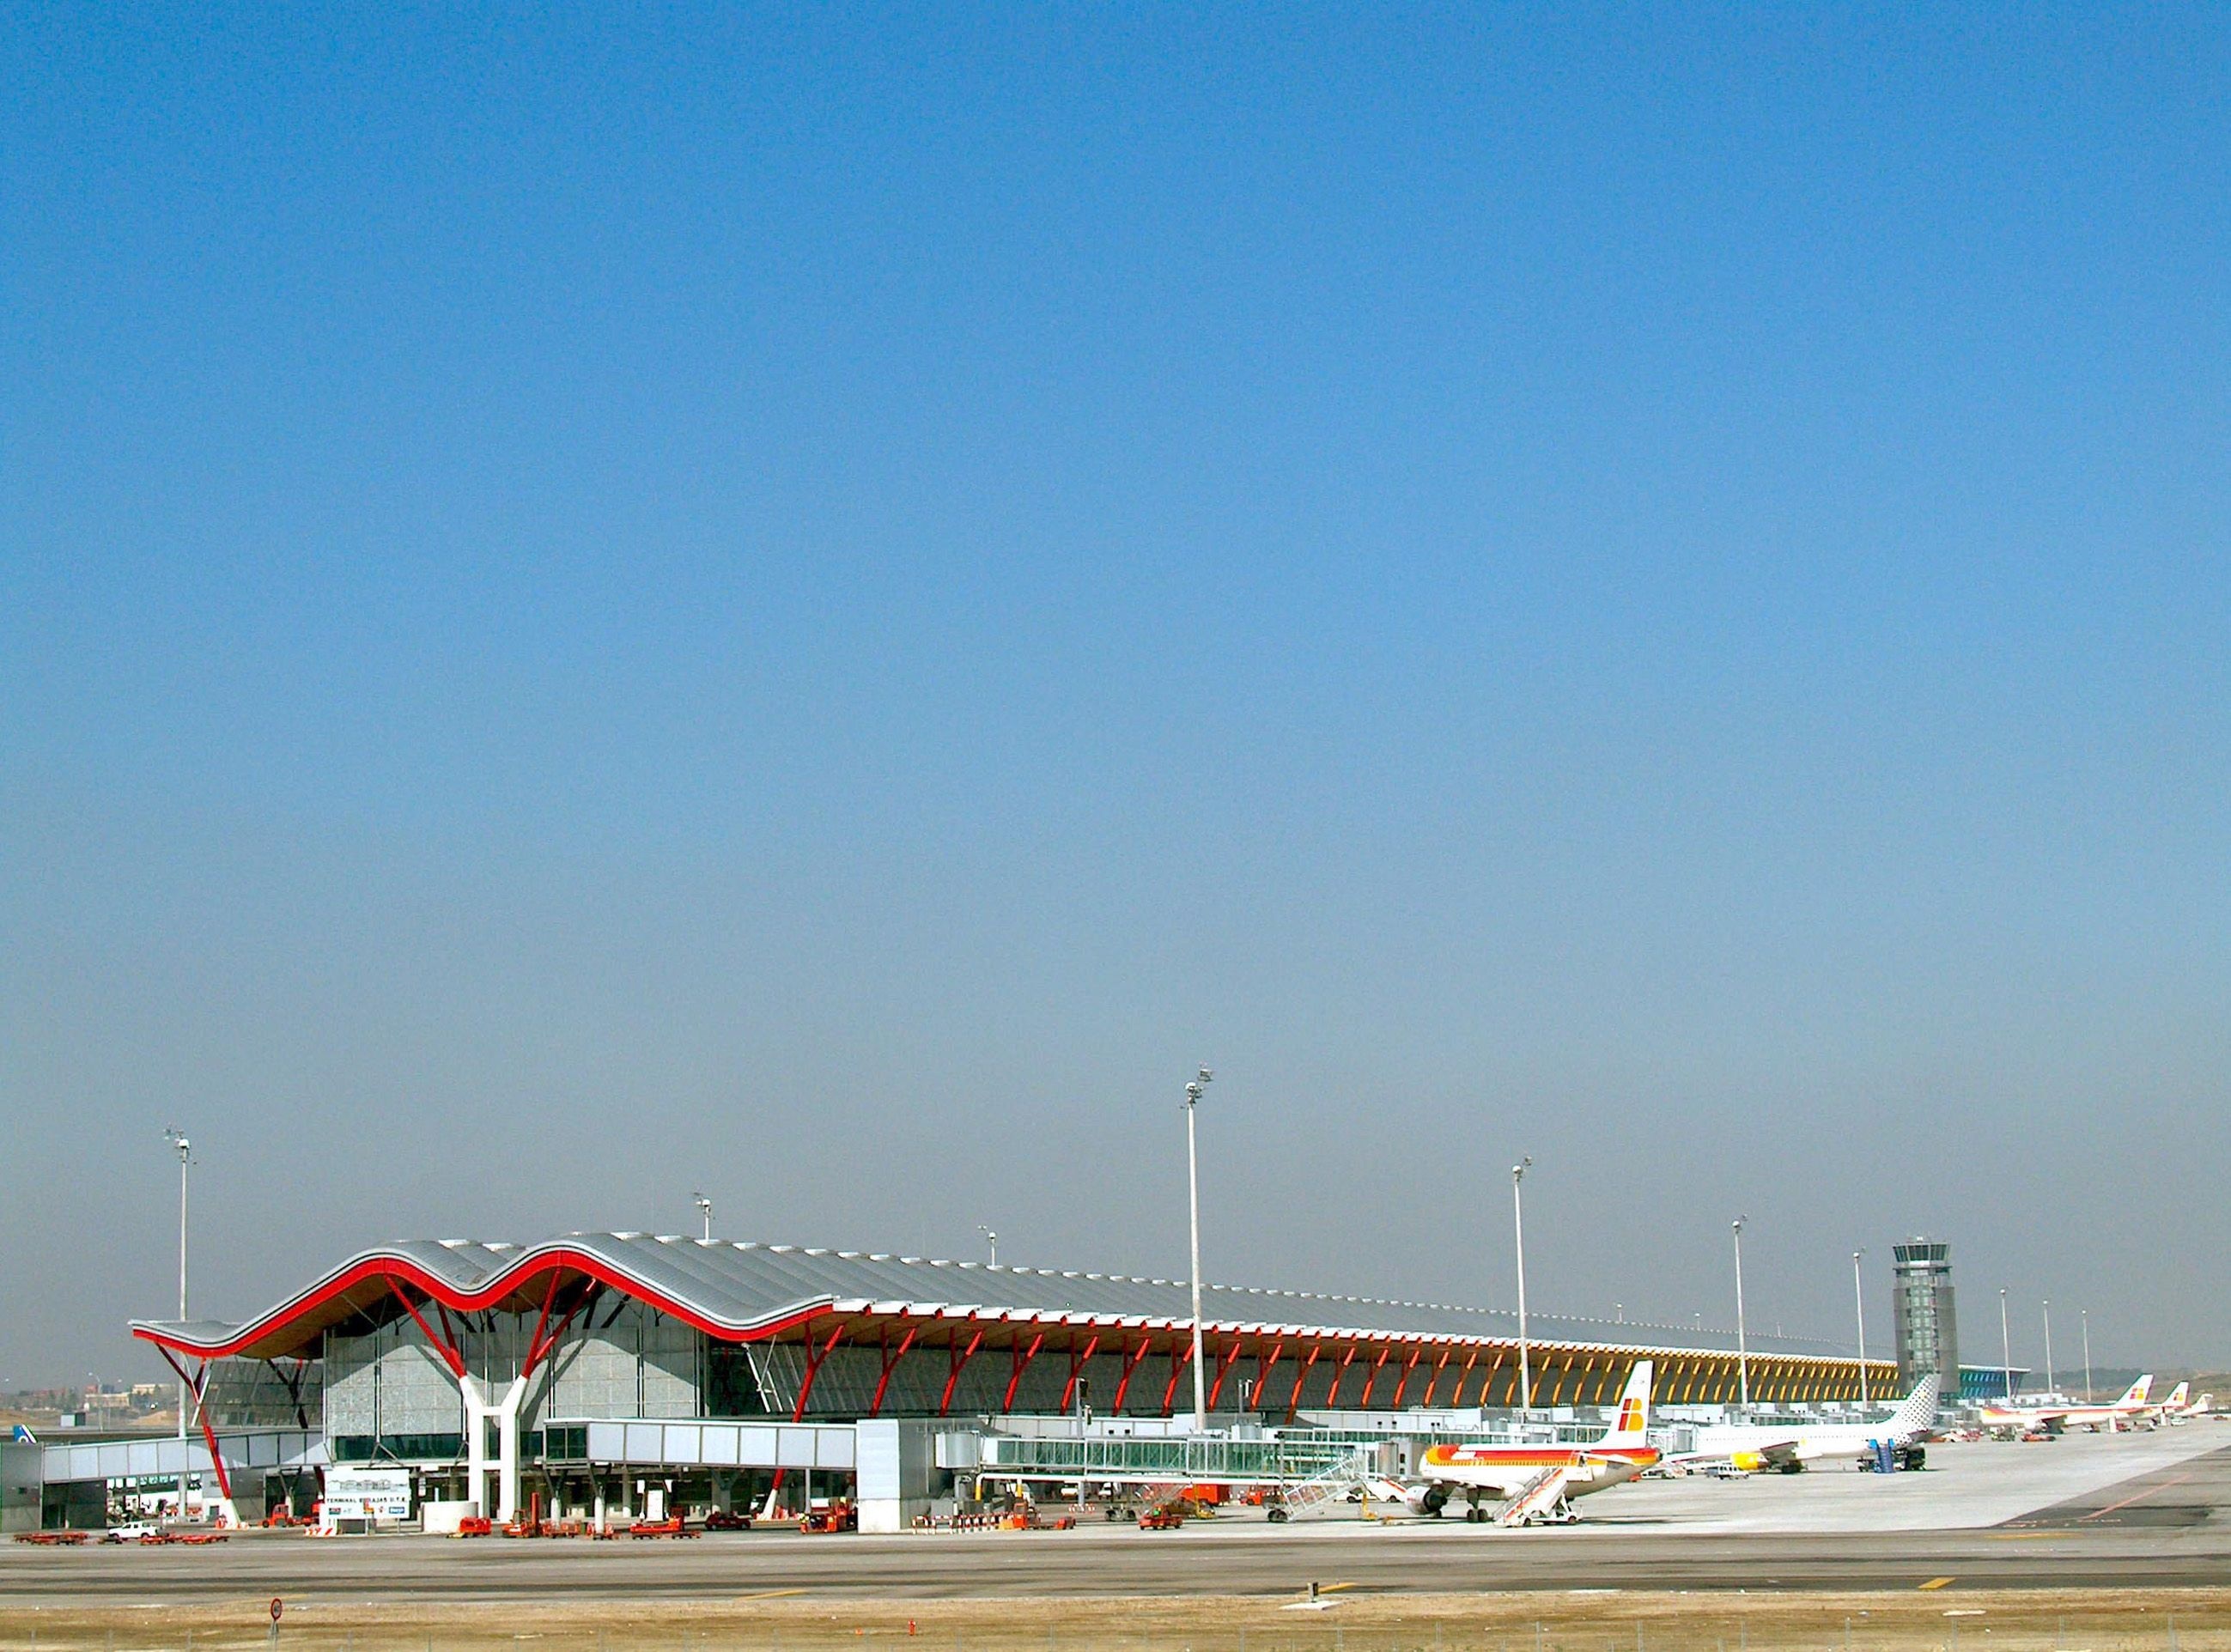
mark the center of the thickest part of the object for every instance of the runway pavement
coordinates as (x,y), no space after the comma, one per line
(2164,1527)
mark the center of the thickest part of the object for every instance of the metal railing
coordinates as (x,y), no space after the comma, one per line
(1194,1459)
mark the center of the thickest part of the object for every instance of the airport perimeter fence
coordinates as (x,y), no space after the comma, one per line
(1761,1624)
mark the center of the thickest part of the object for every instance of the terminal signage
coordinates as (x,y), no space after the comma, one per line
(376,1494)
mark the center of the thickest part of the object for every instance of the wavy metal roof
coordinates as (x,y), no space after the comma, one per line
(744,1290)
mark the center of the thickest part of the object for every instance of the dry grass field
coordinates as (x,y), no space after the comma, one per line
(1913,1621)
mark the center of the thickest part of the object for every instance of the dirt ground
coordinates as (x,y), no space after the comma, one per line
(1908,1621)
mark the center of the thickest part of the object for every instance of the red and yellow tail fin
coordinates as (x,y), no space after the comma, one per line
(1630,1423)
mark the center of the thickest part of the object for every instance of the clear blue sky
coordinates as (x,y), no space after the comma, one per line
(818,603)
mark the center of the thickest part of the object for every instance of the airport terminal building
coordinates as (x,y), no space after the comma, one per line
(607,1369)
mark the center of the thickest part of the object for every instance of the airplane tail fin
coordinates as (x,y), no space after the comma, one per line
(1632,1422)
(2136,1393)
(2178,1396)
(1918,1410)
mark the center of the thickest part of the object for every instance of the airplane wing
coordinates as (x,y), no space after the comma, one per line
(1752,1454)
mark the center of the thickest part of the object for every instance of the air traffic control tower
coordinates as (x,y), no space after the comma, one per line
(1928,1338)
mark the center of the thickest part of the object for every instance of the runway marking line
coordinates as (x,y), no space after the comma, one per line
(769,1594)
(2134,1497)
(1936,1582)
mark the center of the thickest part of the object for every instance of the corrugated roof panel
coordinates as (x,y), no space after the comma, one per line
(740,1289)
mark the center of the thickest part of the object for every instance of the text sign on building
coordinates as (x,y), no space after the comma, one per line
(367,1494)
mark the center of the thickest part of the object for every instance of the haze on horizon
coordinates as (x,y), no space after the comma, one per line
(819,604)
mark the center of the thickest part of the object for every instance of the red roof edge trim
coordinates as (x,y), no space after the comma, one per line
(392,1267)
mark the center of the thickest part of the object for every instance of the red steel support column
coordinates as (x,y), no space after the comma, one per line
(1131,1362)
(1302,1376)
(1223,1365)
(1263,1371)
(1076,1364)
(541,1348)
(1179,1359)
(891,1364)
(1433,1383)
(199,1385)
(959,1365)
(1370,1381)
(450,1356)
(1339,1375)
(1403,1381)
(813,1368)
(1022,1362)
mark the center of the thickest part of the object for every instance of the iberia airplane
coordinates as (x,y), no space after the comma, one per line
(1474,1471)
(1790,1447)
(2176,1404)
(2133,1407)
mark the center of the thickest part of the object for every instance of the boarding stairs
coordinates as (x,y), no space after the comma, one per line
(1327,1491)
(1537,1502)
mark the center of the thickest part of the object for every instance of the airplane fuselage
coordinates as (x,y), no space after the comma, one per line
(1505,1469)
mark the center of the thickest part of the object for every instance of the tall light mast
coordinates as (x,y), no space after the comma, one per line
(1518,1222)
(2006,1349)
(185,1149)
(1860,1302)
(1193,1092)
(1743,1347)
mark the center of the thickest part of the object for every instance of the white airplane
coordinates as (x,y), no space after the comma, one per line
(2180,1407)
(2176,1405)
(1547,1476)
(1787,1447)
(2132,1407)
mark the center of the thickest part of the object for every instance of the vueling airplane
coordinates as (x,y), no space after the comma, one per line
(1788,1448)
(2133,1407)
(1552,1473)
